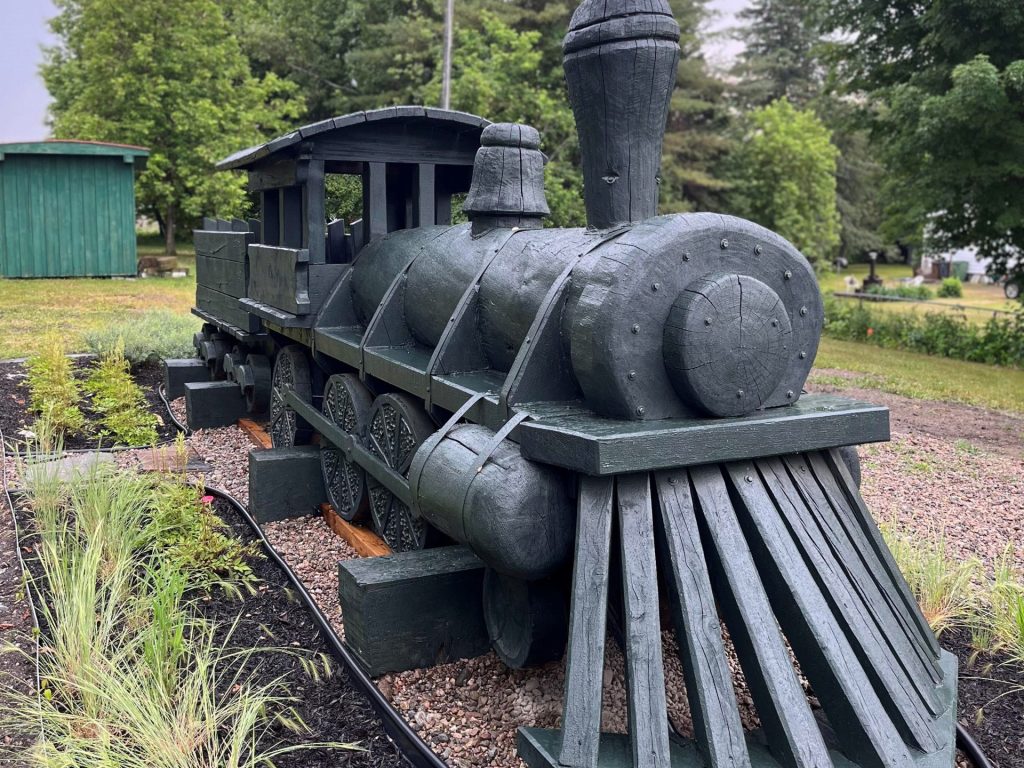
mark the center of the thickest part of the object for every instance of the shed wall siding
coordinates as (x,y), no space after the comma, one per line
(66,216)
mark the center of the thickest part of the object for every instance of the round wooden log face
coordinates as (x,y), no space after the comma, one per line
(726,343)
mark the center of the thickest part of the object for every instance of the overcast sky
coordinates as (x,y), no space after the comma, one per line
(23,97)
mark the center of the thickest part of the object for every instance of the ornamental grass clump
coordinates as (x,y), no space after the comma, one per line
(54,392)
(119,401)
(146,336)
(132,675)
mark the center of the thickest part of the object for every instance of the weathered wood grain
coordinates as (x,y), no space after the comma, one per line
(716,718)
(584,668)
(786,717)
(645,673)
(862,725)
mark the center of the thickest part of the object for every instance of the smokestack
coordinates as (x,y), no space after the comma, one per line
(620,60)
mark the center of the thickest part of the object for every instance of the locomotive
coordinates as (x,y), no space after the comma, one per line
(525,390)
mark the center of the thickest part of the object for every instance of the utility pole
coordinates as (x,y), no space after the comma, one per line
(446,77)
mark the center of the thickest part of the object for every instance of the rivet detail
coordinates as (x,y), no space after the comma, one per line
(635,329)
(724,243)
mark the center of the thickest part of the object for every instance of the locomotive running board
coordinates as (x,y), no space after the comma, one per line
(785,549)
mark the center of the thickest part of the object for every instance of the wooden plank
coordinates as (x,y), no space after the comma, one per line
(364,541)
(716,718)
(584,667)
(375,202)
(904,702)
(786,717)
(645,672)
(226,309)
(596,446)
(291,216)
(256,433)
(226,276)
(864,572)
(834,477)
(313,212)
(861,723)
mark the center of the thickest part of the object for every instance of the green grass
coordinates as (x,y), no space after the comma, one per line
(77,306)
(983,299)
(920,376)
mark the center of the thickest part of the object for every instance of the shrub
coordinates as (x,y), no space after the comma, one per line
(919,292)
(146,337)
(119,401)
(54,392)
(1000,341)
(951,288)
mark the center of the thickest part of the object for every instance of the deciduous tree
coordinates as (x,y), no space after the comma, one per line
(169,76)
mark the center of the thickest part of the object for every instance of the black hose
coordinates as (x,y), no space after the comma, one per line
(162,392)
(24,574)
(408,741)
(966,744)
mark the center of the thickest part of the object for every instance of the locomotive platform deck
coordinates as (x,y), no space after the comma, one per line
(595,446)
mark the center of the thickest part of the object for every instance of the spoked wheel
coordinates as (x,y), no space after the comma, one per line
(291,373)
(347,403)
(398,425)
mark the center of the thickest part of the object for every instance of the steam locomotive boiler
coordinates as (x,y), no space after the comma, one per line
(528,391)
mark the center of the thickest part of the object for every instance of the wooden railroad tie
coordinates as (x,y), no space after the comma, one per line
(364,541)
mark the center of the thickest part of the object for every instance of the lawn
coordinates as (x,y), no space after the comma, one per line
(977,303)
(922,376)
(79,305)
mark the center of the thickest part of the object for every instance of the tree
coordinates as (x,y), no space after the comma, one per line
(779,59)
(783,177)
(697,137)
(169,76)
(494,74)
(945,81)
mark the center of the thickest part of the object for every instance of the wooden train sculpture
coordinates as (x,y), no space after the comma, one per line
(614,413)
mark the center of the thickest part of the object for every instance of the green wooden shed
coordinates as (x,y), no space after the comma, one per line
(67,209)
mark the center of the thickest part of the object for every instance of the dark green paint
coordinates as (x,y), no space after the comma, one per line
(67,209)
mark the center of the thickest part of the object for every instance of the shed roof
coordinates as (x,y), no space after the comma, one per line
(455,121)
(73,147)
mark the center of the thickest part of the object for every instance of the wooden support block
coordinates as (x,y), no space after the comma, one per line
(213,404)
(413,609)
(365,542)
(179,372)
(256,433)
(285,482)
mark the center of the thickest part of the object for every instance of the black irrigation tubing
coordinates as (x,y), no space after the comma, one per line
(25,578)
(408,741)
(162,392)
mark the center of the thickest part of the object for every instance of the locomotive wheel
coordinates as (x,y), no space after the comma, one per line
(398,426)
(291,373)
(347,403)
(256,383)
(527,621)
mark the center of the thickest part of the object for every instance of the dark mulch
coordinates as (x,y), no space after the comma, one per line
(999,728)
(333,708)
(15,416)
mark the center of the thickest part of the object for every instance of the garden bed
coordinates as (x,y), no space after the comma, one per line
(15,417)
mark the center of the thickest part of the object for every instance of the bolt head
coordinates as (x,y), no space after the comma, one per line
(672,481)
(787,274)
(724,243)
(758,250)
(655,286)
(789,394)
(803,355)
(803,311)
(631,375)
(707,321)
(739,393)
(686,257)
(749,479)
(635,329)
(775,323)
(640,410)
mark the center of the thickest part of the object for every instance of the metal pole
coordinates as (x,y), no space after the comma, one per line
(446,78)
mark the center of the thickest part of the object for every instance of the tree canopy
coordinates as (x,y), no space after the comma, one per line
(784,178)
(171,77)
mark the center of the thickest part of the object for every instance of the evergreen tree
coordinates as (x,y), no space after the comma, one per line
(779,59)
(171,77)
